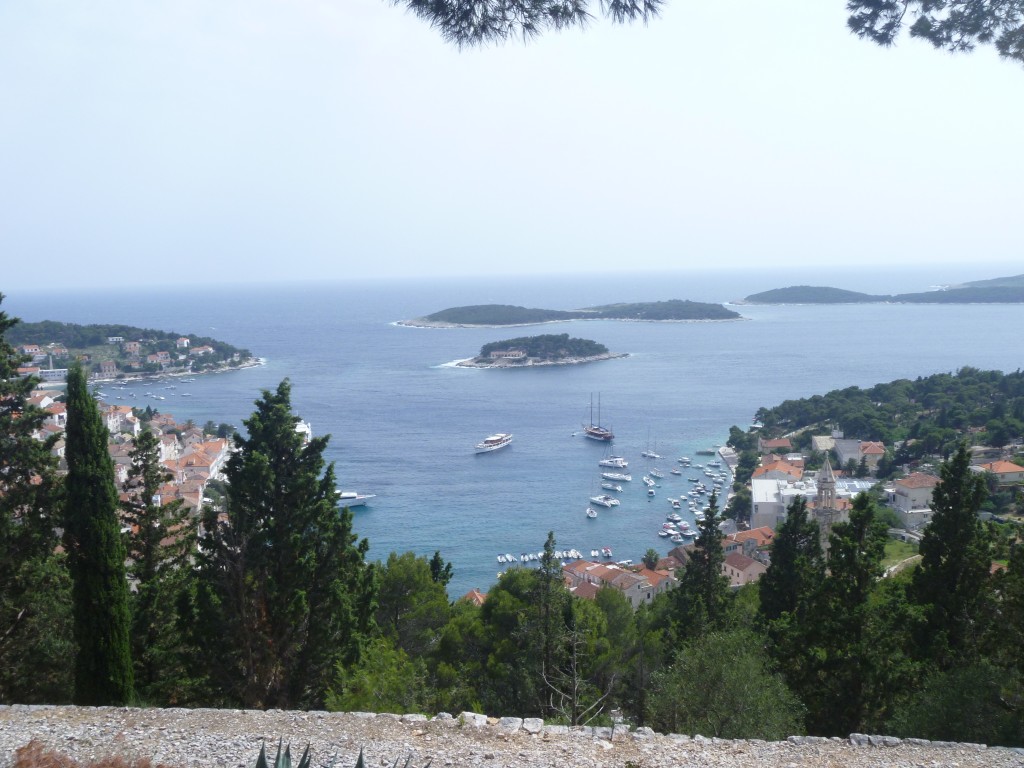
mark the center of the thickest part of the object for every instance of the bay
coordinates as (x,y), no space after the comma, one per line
(403,421)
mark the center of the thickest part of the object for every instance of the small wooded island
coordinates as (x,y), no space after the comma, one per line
(676,310)
(549,349)
(1002,290)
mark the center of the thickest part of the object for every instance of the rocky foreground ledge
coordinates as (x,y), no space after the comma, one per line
(232,738)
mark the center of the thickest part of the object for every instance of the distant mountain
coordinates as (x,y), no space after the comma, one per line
(1004,290)
(997,282)
(810,294)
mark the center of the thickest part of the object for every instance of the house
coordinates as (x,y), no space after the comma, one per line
(740,569)
(911,497)
(774,445)
(749,543)
(507,354)
(132,347)
(475,596)
(779,470)
(771,498)
(115,339)
(1006,472)
(30,349)
(855,450)
(108,368)
(584,579)
(182,342)
(199,351)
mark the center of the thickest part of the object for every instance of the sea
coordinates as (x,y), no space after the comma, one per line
(403,419)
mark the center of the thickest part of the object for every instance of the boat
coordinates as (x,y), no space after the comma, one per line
(494,442)
(676,538)
(353,499)
(620,476)
(648,481)
(606,551)
(612,487)
(650,491)
(616,462)
(594,430)
(675,471)
(656,473)
(674,518)
(705,453)
(605,500)
(591,513)
(676,504)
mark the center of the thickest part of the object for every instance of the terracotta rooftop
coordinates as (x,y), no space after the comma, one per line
(918,480)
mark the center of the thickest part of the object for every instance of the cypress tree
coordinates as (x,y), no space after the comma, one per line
(96,556)
(35,635)
(701,601)
(952,582)
(283,580)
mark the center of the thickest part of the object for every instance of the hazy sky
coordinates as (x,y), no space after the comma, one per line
(178,140)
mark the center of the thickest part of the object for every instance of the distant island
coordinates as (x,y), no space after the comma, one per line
(1003,290)
(549,349)
(676,310)
(120,351)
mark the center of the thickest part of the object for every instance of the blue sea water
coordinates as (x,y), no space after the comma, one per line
(403,421)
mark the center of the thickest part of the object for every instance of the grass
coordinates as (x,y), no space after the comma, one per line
(896,550)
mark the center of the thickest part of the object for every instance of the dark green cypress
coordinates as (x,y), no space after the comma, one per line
(96,555)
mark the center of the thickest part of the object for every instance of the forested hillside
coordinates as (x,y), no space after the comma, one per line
(548,347)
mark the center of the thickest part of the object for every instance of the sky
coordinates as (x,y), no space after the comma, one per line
(176,141)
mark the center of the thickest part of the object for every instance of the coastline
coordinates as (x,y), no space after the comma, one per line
(420,322)
(471,362)
(255,362)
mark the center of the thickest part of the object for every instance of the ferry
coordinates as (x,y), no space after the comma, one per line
(493,442)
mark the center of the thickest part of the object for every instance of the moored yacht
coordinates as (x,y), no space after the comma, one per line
(353,499)
(616,462)
(494,442)
(605,500)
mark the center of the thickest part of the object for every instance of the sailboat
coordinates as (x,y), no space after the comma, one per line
(594,430)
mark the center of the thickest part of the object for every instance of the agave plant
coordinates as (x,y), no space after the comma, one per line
(284,760)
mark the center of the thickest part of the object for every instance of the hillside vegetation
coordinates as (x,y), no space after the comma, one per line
(1004,290)
(506,314)
(548,347)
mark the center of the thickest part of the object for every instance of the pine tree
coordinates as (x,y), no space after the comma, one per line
(952,582)
(96,556)
(701,600)
(35,637)
(160,542)
(797,567)
(284,582)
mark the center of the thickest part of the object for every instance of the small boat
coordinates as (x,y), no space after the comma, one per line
(683,460)
(612,487)
(594,553)
(656,473)
(493,442)
(591,513)
(674,518)
(648,481)
(714,463)
(664,533)
(650,455)
(616,462)
(353,499)
(606,551)
(618,476)
(676,471)
(605,500)
(650,491)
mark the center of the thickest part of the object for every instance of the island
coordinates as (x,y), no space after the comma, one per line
(1002,290)
(120,351)
(489,315)
(549,349)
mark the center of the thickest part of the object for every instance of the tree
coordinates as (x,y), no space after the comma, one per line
(96,555)
(35,637)
(159,544)
(651,558)
(466,22)
(385,679)
(702,597)
(797,567)
(954,25)
(283,582)
(951,582)
(412,607)
(440,571)
(720,685)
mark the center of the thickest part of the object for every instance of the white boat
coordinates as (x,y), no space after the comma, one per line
(594,430)
(650,455)
(656,473)
(675,471)
(650,491)
(612,487)
(494,442)
(605,500)
(674,518)
(353,499)
(616,462)
(648,481)
(591,513)
(664,533)
(620,476)
(606,551)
